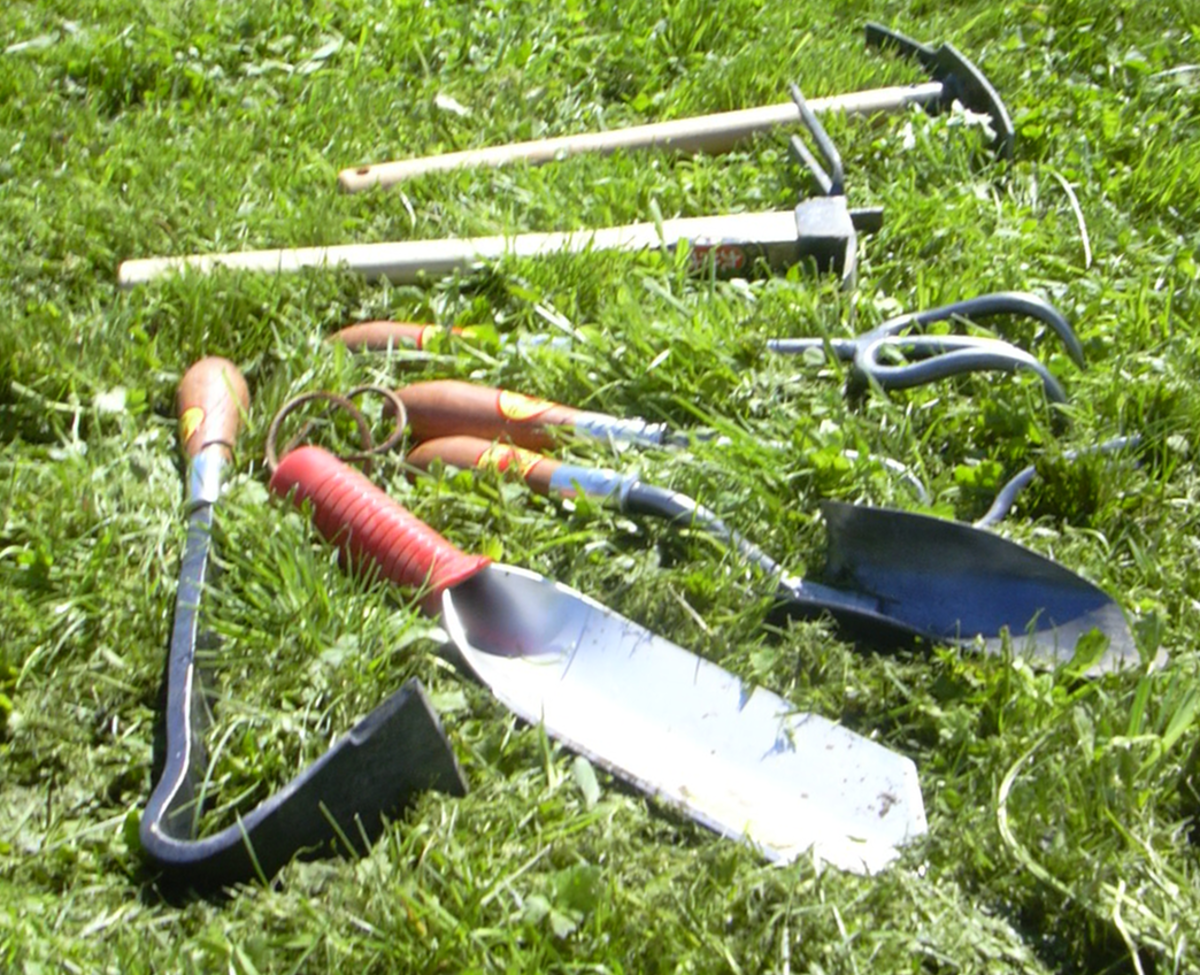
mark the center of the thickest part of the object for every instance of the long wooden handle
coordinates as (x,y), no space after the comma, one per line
(705,133)
(212,399)
(369,527)
(771,234)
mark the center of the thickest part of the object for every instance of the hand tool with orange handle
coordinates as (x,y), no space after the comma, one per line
(380,336)
(740,760)
(383,336)
(900,576)
(445,407)
(373,771)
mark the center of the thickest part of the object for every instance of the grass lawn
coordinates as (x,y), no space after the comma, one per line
(1061,810)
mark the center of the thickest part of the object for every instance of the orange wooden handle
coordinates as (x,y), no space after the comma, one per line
(450,407)
(212,398)
(379,336)
(475,452)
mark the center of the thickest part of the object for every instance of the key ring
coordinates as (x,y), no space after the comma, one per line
(338,401)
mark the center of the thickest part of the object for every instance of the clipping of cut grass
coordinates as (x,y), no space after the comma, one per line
(1061,810)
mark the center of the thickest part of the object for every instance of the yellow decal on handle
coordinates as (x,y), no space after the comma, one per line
(430,333)
(518,406)
(189,422)
(501,456)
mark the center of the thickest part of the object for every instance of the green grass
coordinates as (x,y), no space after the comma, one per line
(1061,811)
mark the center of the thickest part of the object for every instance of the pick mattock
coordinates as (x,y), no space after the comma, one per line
(821,230)
(955,78)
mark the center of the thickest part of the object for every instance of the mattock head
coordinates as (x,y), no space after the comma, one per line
(961,80)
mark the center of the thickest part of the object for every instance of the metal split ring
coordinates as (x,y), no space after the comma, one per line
(338,401)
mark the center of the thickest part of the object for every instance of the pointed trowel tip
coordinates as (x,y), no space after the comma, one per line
(958,584)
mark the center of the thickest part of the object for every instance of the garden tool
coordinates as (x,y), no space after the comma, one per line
(936,356)
(738,759)
(1008,493)
(955,79)
(941,356)
(395,752)
(900,575)
(443,407)
(731,244)
(734,242)
(821,230)
(384,336)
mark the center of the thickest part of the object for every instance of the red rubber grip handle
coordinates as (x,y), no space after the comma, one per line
(369,527)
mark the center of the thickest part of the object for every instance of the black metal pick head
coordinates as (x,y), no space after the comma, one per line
(338,805)
(825,227)
(961,80)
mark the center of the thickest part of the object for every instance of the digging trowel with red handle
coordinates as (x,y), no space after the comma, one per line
(741,760)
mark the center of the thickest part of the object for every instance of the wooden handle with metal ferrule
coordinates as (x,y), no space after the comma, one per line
(535,469)
(380,336)
(548,477)
(369,527)
(212,398)
(449,407)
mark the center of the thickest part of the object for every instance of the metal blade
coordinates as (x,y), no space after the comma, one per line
(740,760)
(369,775)
(964,584)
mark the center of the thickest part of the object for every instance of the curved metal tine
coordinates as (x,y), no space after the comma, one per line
(942,356)
(1006,497)
(1020,303)
(833,180)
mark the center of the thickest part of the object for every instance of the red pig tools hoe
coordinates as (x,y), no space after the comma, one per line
(955,79)
(373,771)
(738,759)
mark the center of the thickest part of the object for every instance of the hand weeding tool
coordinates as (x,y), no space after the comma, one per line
(942,356)
(445,407)
(899,575)
(388,336)
(387,758)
